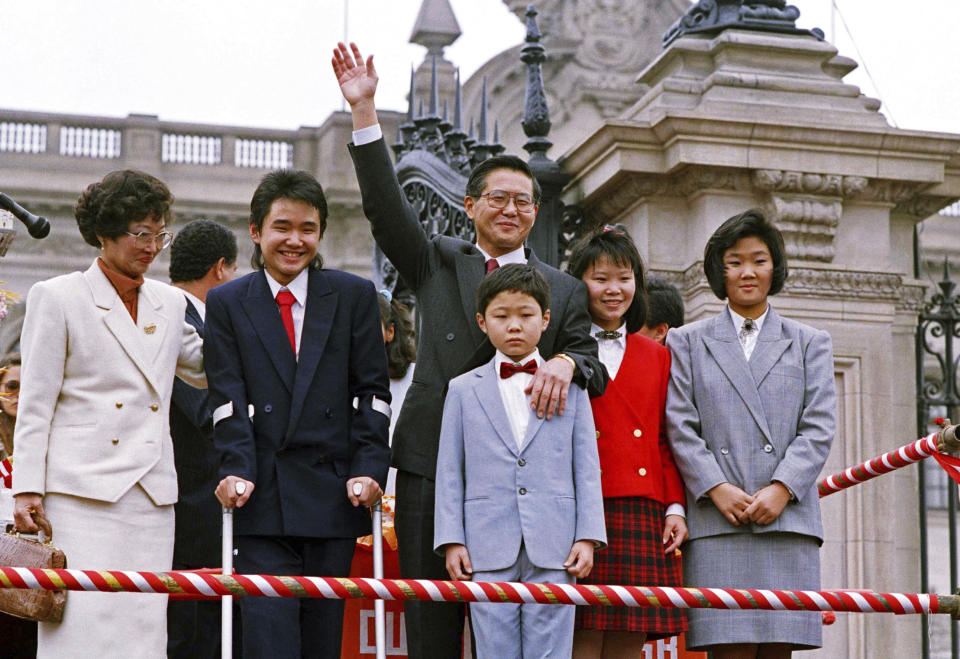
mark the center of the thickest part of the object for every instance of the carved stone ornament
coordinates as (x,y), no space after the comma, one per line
(821,283)
(807,208)
(633,187)
(714,16)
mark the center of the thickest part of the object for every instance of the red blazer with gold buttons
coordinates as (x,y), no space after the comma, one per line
(635,457)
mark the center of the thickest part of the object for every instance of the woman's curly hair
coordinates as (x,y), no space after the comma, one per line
(108,207)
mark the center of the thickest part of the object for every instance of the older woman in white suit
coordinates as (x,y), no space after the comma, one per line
(92,443)
(751,415)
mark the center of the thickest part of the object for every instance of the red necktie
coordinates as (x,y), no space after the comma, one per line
(507,369)
(286,299)
(492,265)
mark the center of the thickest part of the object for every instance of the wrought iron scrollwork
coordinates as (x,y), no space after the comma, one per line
(438,215)
(939,336)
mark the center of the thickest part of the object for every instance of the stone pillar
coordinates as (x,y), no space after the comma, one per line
(750,119)
(141,143)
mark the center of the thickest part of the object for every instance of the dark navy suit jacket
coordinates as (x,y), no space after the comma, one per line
(290,425)
(197,542)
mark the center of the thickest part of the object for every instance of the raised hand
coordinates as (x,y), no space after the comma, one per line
(357,79)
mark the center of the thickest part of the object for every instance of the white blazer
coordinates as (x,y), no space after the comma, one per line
(95,396)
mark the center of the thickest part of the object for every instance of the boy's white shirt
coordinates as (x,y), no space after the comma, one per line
(299,289)
(515,400)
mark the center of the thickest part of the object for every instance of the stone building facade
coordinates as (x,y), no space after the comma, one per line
(669,142)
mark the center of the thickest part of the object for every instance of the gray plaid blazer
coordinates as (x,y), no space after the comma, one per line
(749,423)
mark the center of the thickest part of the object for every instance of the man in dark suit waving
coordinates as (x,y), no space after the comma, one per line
(203,255)
(300,396)
(444,272)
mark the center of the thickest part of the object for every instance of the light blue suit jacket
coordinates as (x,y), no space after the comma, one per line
(750,423)
(491,494)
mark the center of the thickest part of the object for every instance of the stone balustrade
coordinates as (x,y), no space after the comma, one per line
(47,159)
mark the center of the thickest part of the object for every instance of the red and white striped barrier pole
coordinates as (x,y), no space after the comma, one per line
(260,585)
(935,444)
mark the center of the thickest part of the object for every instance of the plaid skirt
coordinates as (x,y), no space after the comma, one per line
(634,557)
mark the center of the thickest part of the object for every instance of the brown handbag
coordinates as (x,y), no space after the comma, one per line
(39,605)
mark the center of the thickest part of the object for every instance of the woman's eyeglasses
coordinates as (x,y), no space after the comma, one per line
(145,239)
(10,387)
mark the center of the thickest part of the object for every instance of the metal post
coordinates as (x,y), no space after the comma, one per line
(922,420)
(226,602)
(379,613)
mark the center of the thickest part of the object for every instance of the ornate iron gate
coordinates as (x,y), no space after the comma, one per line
(938,394)
(435,155)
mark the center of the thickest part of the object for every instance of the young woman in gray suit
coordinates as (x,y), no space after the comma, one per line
(751,415)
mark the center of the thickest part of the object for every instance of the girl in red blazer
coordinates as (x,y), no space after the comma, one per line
(642,491)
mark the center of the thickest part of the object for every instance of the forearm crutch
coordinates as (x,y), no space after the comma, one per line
(379,615)
(226,602)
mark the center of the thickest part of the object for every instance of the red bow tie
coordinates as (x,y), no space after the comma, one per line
(507,369)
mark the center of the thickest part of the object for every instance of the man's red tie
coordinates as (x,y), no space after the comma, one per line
(492,265)
(507,369)
(285,300)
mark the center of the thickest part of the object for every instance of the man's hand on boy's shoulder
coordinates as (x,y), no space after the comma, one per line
(579,561)
(551,383)
(458,562)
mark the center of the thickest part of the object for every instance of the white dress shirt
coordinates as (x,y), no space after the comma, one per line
(751,341)
(518,255)
(515,400)
(611,351)
(299,289)
(198,304)
(367,135)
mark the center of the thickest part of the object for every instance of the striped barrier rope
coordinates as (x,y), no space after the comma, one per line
(933,445)
(259,585)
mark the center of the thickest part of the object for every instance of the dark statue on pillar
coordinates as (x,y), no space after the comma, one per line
(713,16)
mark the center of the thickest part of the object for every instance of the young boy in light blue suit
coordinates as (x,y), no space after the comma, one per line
(518,498)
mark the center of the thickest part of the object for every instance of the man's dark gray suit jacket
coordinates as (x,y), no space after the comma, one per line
(444,273)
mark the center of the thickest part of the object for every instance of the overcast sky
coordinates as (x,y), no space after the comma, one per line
(266,62)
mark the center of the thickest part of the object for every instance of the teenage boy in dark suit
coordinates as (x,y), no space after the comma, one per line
(300,396)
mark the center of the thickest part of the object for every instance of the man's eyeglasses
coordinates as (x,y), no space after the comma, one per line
(144,239)
(498,199)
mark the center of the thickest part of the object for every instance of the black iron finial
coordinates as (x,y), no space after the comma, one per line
(407,129)
(482,130)
(458,105)
(434,88)
(412,96)
(536,114)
